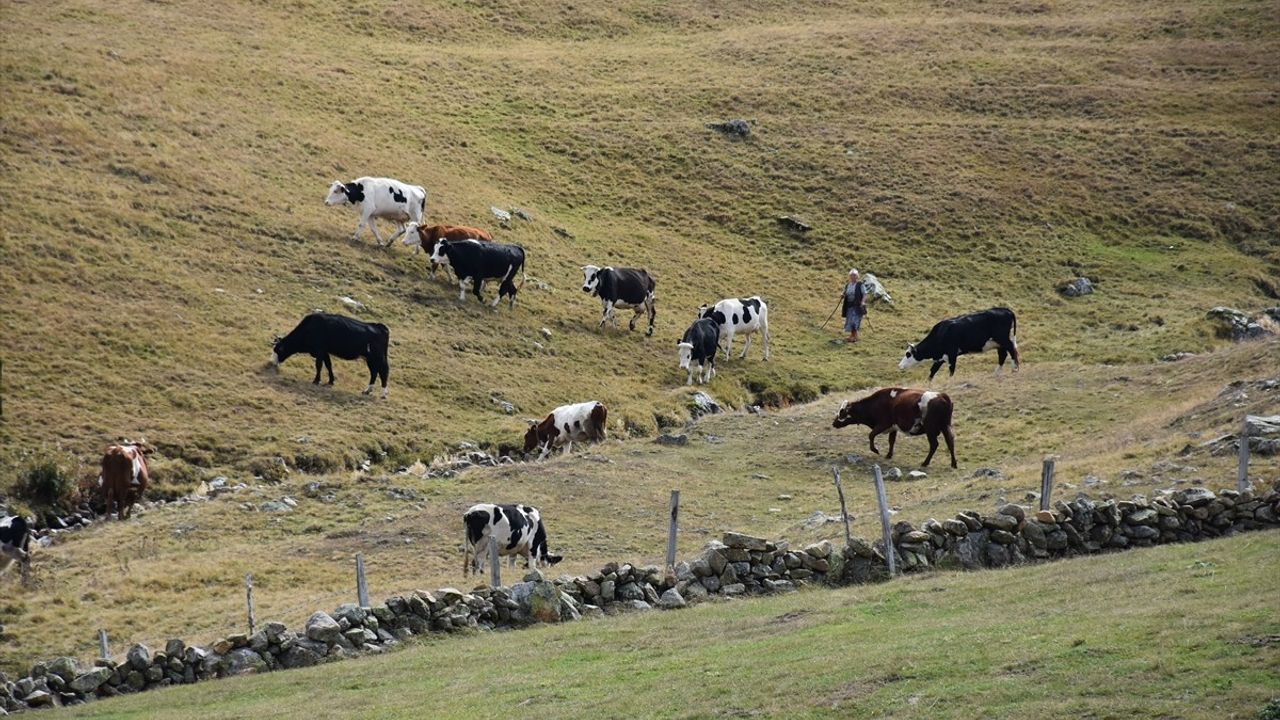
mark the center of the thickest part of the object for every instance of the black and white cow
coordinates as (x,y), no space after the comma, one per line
(699,345)
(480,261)
(321,335)
(740,316)
(621,288)
(517,529)
(973,333)
(15,544)
(383,198)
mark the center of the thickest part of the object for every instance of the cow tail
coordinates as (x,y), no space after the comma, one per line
(944,415)
(524,271)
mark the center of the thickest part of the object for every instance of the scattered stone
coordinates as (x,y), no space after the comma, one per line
(546,333)
(676,440)
(502,215)
(700,403)
(733,128)
(521,213)
(1175,357)
(892,473)
(1076,287)
(274,506)
(874,289)
(791,223)
(1235,325)
(916,475)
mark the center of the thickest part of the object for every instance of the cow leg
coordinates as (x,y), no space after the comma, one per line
(477,283)
(1013,352)
(764,329)
(933,447)
(1001,354)
(328,366)
(951,365)
(400,229)
(635,316)
(893,436)
(689,380)
(373,226)
(605,307)
(373,373)
(355,236)
(653,313)
(462,289)
(937,365)
(384,371)
(728,346)
(871,438)
(319,366)
(746,346)
(951,444)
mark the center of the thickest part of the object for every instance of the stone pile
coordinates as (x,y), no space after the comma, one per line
(734,566)
(1014,534)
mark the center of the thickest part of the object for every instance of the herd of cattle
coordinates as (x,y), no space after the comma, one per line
(474,257)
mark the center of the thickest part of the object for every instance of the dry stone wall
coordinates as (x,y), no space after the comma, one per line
(735,566)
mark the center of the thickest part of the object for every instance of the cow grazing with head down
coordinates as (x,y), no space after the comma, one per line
(380,198)
(699,345)
(517,530)
(15,544)
(425,237)
(124,477)
(582,422)
(477,262)
(621,288)
(974,333)
(740,316)
(321,335)
(914,412)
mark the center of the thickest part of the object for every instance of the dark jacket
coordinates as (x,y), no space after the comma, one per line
(858,299)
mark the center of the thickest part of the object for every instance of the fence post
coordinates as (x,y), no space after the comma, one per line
(671,529)
(1242,471)
(362,588)
(1046,481)
(844,512)
(103,652)
(248,599)
(884,521)
(495,568)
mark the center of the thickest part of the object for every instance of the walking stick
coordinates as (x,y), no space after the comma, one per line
(833,314)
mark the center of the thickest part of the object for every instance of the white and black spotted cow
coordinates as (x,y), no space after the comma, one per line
(740,316)
(15,544)
(973,333)
(477,262)
(621,288)
(380,198)
(699,345)
(517,529)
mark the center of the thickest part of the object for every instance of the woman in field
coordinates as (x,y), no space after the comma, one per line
(854,306)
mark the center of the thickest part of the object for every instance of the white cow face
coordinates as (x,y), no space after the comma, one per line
(909,358)
(438,256)
(337,194)
(411,237)
(590,278)
(684,351)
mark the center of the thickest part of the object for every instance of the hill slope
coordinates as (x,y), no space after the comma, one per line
(1166,632)
(164,164)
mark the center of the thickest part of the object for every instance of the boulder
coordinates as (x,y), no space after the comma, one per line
(299,656)
(746,542)
(1235,325)
(1076,287)
(323,628)
(700,403)
(138,657)
(90,681)
(1263,433)
(820,549)
(244,661)
(732,128)
(671,600)
(875,290)
(64,667)
(673,440)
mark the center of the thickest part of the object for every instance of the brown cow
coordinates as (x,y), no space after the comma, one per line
(914,412)
(582,421)
(425,237)
(124,477)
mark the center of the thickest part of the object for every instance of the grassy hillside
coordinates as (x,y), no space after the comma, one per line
(1168,632)
(164,165)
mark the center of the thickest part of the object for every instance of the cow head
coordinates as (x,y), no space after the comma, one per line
(850,414)
(909,358)
(710,311)
(337,194)
(280,351)
(413,235)
(590,278)
(684,351)
(531,437)
(438,255)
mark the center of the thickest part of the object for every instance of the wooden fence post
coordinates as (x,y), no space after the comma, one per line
(884,521)
(248,599)
(671,529)
(103,652)
(844,512)
(495,568)
(362,588)
(1046,482)
(1242,471)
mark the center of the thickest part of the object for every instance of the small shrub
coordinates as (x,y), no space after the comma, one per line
(1270,711)
(48,482)
(318,463)
(270,469)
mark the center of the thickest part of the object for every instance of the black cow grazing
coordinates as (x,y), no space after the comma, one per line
(517,529)
(321,335)
(15,544)
(477,262)
(974,333)
(699,345)
(914,412)
(621,288)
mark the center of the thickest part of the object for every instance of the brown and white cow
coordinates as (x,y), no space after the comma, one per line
(425,237)
(124,477)
(914,412)
(581,421)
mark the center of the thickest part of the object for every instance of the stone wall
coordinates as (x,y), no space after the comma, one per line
(738,565)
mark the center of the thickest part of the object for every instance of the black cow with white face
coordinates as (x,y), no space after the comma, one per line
(699,345)
(621,288)
(973,333)
(477,262)
(15,544)
(321,335)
